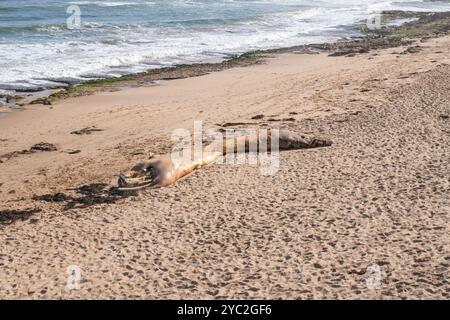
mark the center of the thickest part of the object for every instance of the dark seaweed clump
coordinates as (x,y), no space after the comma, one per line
(87,196)
(11,216)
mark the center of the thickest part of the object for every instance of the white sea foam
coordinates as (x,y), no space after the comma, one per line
(138,35)
(111,4)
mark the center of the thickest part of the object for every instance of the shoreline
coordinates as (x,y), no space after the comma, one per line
(376,197)
(389,36)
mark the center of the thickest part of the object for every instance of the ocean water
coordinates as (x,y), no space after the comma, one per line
(40,49)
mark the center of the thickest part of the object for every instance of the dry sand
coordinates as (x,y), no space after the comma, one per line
(378,196)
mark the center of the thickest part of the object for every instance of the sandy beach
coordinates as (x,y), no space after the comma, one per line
(377,198)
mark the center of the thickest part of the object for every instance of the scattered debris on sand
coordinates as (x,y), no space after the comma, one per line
(72,151)
(39,147)
(44,100)
(413,49)
(14,154)
(87,130)
(57,197)
(86,196)
(233,124)
(281,120)
(43,147)
(10,216)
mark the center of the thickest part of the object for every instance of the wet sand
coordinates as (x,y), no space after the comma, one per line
(377,197)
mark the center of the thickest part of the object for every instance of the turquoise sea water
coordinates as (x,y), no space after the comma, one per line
(38,49)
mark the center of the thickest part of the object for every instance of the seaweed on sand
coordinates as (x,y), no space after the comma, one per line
(87,196)
(10,216)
